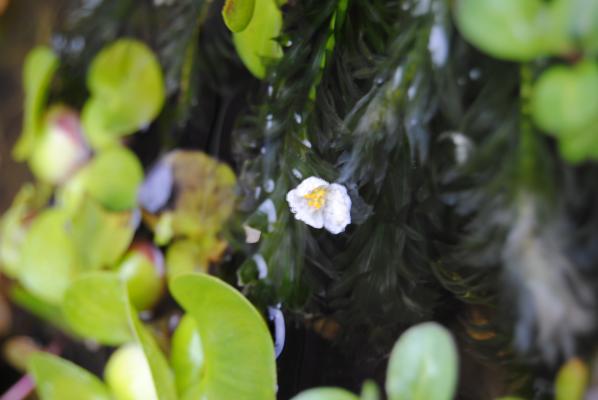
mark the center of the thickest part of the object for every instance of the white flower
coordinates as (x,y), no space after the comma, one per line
(321,204)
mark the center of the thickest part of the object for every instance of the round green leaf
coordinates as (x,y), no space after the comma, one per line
(370,391)
(572,380)
(96,307)
(566,99)
(423,365)
(59,379)
(326,393)
(40,65)
(237,14)
(127,92)
(238,349)
(579,20)
(113,178)
(128,374)
(186,354)
(579,146)
(256,44)
(48,259)
(518,30)
(143,276)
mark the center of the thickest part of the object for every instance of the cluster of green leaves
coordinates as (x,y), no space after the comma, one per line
(93,216)
(571,382)
(255,34)
(221,348)
(564,102)
(67,241)
(423,365)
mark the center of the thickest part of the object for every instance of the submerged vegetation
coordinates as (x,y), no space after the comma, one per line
(314,199)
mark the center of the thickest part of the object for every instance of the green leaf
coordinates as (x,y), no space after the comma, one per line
(14,227)
(256,44)
(49,259)
(49,312)
(186,354)
(113,178)
(128,374)
(101,237)
(162,375)
(579,19)
(238,349)
(423,365)
(566,98)
(370,391)
(237,14)
(326,393)
(40,65)
(579,146)
(572,380)
(96,307)
(203,197)
(127,92)
(59,379)
(143,275)
(184,256)
(517,30)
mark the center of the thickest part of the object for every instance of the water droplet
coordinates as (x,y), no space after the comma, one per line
(77,44)
(422,7)
(475,74)
(306,143)
(298,118)
(270,90)
(268,208)
(58,42)
(262,267)
(269,186)
(269,121)
(297,173)
(438,45)
(397,77)
(463,145)
(277,318)
(411,92)
(252,235)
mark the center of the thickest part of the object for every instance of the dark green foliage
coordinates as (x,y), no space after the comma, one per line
(461,207)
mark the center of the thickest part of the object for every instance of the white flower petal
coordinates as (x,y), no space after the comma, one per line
(310,184)
(303,212)
(311,217)
(337,212)
(295,201)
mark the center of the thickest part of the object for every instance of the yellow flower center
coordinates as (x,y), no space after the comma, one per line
(316,198)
